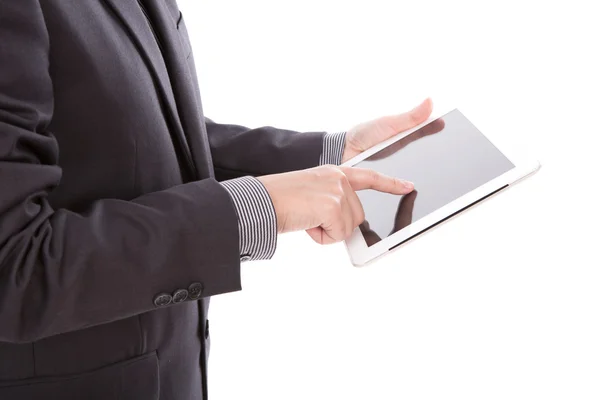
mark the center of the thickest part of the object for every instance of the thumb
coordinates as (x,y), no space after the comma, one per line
(404,121)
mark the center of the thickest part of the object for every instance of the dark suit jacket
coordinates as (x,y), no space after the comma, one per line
(109,196)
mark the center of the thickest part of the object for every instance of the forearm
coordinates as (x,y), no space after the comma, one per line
(238,151)
(64,271)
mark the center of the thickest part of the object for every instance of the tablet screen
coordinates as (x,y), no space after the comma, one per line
(445,159)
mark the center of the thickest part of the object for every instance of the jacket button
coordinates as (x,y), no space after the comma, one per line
(195,291)
(162,299)
(180,295)
(245,258)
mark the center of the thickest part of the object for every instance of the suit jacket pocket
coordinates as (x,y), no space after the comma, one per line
(133,379)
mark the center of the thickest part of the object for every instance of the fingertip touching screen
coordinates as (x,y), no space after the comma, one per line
(445,159)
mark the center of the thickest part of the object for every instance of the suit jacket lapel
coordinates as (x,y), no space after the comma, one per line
(138,28)
(184,87)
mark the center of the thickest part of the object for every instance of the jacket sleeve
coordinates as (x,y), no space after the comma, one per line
(62,271)
(239,151)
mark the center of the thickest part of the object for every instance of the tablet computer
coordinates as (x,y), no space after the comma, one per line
(453,166)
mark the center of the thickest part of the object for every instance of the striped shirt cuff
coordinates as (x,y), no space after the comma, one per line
(257,220)
(333,148)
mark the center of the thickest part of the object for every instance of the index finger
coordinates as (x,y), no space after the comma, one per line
(361,178)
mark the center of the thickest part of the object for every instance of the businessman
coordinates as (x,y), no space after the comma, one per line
(123,209)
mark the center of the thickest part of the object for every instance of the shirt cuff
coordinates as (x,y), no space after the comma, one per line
(257,221)
(333,148)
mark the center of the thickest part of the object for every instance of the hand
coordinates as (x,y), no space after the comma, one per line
(366,135)
(323,201)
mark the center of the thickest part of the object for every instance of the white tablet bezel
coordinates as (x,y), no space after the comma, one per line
(360,253)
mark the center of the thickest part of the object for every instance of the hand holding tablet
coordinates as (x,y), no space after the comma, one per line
(453,166)
(399,188)
(322,200)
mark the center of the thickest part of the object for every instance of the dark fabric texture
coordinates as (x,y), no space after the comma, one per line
(239,151)
(109,203)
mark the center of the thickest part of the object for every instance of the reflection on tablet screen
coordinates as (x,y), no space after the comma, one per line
(445,159)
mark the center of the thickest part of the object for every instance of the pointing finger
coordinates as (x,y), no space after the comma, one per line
(360,179)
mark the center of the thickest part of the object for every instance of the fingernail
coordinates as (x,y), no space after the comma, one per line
(408,185)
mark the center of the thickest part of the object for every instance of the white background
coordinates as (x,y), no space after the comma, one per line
(502,302)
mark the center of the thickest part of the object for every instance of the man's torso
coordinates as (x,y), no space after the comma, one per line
(128,121)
